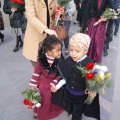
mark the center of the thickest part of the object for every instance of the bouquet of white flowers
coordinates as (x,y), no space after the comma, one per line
(97,77)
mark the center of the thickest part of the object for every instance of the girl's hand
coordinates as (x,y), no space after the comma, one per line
(51,32)
(92,93)
(13,9)
(104,19)
(32,87)
(53,88)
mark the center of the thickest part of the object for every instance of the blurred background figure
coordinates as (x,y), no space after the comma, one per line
(1,25)
(68,15)
(16,15)
(90,12)
(77,5)
(110,27)
(117,21)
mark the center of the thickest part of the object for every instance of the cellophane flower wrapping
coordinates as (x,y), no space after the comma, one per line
(109,14)
(97,78)
(32,98)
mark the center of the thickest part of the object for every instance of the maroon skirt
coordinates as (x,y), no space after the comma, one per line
(47,110)
(97,35)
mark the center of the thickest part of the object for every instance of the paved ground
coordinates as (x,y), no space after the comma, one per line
(16,71)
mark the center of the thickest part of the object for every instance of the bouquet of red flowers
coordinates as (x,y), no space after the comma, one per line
(109,14)
(32,98)
(16,4)
(97,77)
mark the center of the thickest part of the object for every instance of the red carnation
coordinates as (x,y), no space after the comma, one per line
(90,66)
(89,76)
(30,103)
(26,102)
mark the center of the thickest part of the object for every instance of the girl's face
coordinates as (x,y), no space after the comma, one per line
(76,53)
(55,52)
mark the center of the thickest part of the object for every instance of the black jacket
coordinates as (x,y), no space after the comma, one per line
(72,75)
(67,69)
(89,9)
(15,21)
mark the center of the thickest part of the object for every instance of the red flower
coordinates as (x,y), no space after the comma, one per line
(90,66)
(26,102)
(89,76)
(30,103)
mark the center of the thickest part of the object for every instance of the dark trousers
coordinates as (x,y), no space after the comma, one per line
(117,22)
(1,35)
(67,26)
(74,105)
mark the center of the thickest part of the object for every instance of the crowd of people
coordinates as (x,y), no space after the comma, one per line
(43,49)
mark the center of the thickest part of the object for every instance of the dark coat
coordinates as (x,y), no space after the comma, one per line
(66,69)
(15,21)
(116,4)
(1,20)
(89,9)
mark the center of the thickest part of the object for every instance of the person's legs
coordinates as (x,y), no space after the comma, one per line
(117,21)
(1,37)
(75,17)
(78,105)
(109,36)
(20,40)
(66,40)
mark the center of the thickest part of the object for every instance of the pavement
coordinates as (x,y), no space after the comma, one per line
(16,71)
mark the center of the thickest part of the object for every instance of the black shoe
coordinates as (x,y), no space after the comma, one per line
(74,23)
(115,34)
(2,40)
(16,49)
(21,44)
(105,53)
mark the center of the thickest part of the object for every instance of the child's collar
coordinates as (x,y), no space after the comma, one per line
(49,56)
(82,58)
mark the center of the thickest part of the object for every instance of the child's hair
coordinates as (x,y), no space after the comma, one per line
(48,44)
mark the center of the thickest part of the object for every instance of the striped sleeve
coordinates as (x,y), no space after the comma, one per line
(36,75)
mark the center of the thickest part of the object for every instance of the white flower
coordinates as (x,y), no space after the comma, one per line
(38,105)
(104,68)
(101,73)
(97,67)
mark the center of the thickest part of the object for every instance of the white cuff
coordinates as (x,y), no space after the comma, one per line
(60,83)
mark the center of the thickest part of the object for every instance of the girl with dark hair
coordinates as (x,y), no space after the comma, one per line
(89,13)
(45,71)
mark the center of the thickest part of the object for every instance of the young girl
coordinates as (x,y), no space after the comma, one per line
(75,96)
(45,71)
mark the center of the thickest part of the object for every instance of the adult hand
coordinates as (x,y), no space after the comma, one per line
(53,88)
(104,19)
(13,9)
(61,10)
(51,32)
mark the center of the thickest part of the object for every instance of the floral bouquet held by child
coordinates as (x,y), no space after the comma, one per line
(97,77)
(109,14)
(16,4)
(32,99)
